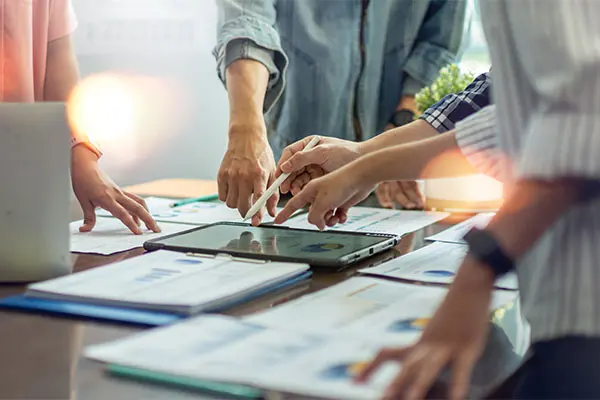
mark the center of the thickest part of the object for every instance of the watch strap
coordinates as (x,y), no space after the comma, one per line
(402,117)
(484,247)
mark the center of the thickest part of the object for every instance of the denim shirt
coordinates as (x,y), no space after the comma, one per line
(338,67)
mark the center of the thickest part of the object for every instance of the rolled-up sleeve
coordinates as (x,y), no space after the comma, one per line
(246,30)
(438,44)
(477,139)
(455,107)
(562,138)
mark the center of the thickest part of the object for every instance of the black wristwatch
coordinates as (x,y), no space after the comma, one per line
(486,249)
(402,117)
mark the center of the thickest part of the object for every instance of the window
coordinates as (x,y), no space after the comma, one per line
(476,58)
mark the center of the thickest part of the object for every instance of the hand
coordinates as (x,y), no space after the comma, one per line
(454,337)
(94,189)
(328,155)
(247,169)
(404,193)
(330,197)
(247,242)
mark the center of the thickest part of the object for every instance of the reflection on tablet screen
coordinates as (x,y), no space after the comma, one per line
(273,241)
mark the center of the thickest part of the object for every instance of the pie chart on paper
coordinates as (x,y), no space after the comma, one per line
(439,273)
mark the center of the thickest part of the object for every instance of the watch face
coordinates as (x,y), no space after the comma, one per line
(403,117)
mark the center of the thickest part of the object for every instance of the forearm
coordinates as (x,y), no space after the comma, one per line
(532,207)
(247,82)
(415,131)
(62,71)
(437,157)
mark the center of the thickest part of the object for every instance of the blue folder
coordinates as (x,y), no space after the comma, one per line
(125,315)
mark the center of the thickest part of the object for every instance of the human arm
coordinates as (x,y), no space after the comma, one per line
(333,194)
(251,64)
(556,171)
(91,186)
(439,118)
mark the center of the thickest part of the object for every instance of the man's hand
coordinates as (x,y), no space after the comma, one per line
(328,155)
(330,197)
(404,193)
(94,189)
(247,169)
(454,337)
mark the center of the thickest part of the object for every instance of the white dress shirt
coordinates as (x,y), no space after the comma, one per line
(546,125)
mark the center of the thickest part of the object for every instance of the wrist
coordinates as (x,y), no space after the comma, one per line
(475,275)
(408,103)
(487,250)
(365,170)
(81,153)
(247,127)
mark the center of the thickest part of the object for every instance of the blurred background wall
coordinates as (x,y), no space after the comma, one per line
(149,74)
(164,44)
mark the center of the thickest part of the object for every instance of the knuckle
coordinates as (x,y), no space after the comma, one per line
(223,174)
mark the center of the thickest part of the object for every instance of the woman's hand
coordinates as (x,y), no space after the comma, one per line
(327,156)
(94,189)
(330,197)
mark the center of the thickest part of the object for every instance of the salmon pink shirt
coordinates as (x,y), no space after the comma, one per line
(27,26)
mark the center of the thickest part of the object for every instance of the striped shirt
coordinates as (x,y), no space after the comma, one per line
(545,125)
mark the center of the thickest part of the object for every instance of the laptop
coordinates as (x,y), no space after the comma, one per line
(35,192)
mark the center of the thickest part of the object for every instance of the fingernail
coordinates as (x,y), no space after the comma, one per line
(285,166)
(410,205)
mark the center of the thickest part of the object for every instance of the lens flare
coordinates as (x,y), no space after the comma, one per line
(129,116)
(103,108)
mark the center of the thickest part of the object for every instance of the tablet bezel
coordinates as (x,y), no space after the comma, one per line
(351,258)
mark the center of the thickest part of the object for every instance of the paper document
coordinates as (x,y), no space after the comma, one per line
(364,308)
(200,213)
(224,349)
(111,236)
(378,220)
(169,281)
(456,233)
(437,263)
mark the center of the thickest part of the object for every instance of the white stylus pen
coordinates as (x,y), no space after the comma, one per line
(260,203)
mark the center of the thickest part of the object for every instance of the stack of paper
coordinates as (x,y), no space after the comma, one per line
(169,281)
(437,263)
(365,308)
(223,349)
(458,231)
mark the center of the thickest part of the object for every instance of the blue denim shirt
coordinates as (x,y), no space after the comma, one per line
(338,67)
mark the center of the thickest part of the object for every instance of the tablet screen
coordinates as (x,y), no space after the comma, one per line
(273,241)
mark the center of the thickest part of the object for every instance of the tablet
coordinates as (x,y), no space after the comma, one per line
(277,243)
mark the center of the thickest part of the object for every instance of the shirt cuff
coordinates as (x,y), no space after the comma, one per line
(476,137)
(563,145)
(411,86)
(426,61)
(239,49)
(259,36)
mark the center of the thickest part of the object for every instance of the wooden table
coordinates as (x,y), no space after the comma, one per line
(41,356)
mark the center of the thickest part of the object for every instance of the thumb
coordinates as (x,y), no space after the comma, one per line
(303,159)
(89,217)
